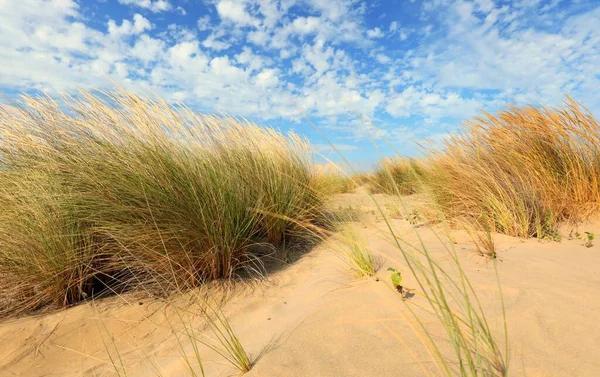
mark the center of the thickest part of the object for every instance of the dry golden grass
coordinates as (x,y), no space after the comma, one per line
(522,171)
(332,180)
(110,191)
(398,176)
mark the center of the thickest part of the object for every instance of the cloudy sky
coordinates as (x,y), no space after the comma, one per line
(396,71)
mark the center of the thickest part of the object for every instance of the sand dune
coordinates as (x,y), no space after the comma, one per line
(314,318)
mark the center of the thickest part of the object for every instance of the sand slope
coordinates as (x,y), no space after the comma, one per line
(314,318)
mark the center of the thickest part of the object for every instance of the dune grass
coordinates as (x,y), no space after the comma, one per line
(225,342)
(397,176)
(356,254)
(522,171)
(332,180)
(228,344)
(109,191)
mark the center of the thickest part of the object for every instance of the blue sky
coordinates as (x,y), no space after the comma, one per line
(393,71)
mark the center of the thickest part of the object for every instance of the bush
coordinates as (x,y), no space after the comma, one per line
(114,191)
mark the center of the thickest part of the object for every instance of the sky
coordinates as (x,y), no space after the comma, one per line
(349,72)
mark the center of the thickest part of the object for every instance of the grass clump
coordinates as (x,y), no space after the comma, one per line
(331,180)
(521,171)
(109,191)
(356,254)
(398,176)
(228,343)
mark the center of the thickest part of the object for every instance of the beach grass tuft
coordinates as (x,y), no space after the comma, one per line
(105,192)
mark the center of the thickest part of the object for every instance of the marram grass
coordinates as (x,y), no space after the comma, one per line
(397,176)
(110,191)
(521,171)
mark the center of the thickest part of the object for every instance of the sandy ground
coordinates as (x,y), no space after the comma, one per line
(313,318)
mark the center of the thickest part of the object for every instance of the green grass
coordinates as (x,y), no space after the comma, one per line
(112,191)
(356,254)
(228,344)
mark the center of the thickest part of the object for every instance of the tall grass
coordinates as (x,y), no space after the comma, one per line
(109,191)
(521,171)
(332,180)
(397,176)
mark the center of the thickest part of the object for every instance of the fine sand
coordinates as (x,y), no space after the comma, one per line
(313,318)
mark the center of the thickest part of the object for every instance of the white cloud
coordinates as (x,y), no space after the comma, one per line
(382,58)
(248,58)
(527,62)
(214,43)
(204,23)
(147,48)
(235,11)
(138,26)
(267,78)
(305,25)
(153,6)
(258,37)
(375,33)
(333,10)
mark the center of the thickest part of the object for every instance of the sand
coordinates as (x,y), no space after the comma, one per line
(314,318)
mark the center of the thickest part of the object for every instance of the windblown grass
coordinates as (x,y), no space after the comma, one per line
(398,176)
(332,180)
(111,191)
(522,171)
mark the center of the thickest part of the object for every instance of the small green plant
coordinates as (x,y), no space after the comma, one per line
(552,235)
(396,278)
(590,239)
